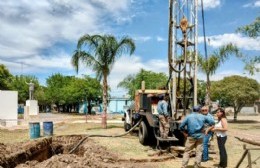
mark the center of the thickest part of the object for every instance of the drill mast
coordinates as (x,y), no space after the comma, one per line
(182,55)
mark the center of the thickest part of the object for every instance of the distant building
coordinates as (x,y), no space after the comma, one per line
(117,104)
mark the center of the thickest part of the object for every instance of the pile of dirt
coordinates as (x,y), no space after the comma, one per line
(55,154)
(12,155)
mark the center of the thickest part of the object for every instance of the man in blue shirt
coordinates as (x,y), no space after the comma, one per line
(162,109)
(192,127)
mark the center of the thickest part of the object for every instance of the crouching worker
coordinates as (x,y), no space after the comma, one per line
(162,109)
(192,126)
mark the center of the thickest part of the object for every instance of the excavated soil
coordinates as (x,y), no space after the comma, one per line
(53,153)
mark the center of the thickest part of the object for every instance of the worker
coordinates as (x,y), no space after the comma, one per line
(208,136)
(194,123)
(162,109)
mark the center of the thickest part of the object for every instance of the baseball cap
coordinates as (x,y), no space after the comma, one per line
(196,108)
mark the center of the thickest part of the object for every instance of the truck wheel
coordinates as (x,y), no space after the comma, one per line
(127,126)
(143,133)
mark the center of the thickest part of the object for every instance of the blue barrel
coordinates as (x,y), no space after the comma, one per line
(48,128)
(34,128)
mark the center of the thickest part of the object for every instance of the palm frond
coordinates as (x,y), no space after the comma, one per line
(125,45)
(85,57)
(225,51)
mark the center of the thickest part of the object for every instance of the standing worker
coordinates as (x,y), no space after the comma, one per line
(206,138)
(162,109)
(194,123)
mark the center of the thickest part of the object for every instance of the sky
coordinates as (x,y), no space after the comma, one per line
(39,37)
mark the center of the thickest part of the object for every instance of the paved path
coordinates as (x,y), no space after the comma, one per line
(61,117)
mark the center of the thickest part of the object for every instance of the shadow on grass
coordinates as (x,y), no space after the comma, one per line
(243,121)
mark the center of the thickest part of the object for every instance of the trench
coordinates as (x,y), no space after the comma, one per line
(38,150)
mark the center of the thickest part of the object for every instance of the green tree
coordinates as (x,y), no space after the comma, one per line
(19,83)
(40,96)
(210,65)
(5,78)
(236,91)
(55,89)
(201,89)
(88,89)
(152,80)
(251,30)
(101,52)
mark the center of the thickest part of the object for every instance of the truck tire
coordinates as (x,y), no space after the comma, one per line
(127,126)
(143,133)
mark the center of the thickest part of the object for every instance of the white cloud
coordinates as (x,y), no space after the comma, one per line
(131,65)
(243,42)
(160,39)
(225,73)
(210,4)
(39,63)
(255,4)
(142,38)
(27,28)
(113,6)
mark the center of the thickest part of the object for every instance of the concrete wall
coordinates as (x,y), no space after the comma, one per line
(248,110)
(32,107)
(9,106)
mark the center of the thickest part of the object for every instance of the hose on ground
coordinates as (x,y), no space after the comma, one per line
(113,136)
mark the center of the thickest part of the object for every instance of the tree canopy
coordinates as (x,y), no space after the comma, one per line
(152,80)
(71,90)
(18,83)
(236,91)
(5,78)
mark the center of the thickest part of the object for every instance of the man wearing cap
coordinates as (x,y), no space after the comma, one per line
(194,123)
(162,109)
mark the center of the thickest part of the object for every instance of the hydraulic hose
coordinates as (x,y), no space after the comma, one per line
(112,136)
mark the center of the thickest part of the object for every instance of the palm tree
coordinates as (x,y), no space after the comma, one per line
(210,65)
(101,52)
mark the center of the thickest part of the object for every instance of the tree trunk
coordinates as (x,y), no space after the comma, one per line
(237,109)
(207,101)
(89,107)
(104,115)
(235,113)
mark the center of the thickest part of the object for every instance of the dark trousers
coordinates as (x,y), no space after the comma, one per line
(222,151)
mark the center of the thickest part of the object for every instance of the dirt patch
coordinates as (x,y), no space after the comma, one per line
(53,152)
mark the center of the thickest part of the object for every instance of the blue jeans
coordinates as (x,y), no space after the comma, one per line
(205,152)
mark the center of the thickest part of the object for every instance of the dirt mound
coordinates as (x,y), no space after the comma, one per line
(53,152)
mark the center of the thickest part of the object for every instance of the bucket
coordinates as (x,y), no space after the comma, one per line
(34,128)
(48,128)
